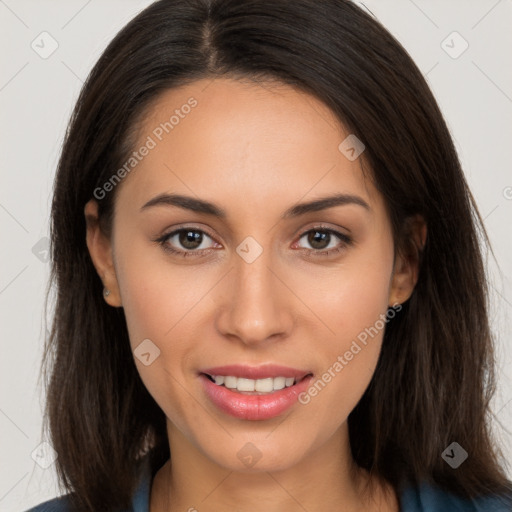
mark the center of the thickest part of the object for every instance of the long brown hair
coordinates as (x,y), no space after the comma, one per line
(435,376)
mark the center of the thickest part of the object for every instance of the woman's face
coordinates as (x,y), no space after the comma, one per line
(253,286)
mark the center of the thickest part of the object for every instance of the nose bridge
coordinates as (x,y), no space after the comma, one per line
(257,306)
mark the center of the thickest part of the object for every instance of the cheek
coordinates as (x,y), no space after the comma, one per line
(353,296)
(155,307)
(156,294)
(353,305)
(161,303)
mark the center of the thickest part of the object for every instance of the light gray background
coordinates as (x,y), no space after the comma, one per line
(474,91)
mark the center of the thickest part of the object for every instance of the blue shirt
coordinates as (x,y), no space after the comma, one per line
(425,498)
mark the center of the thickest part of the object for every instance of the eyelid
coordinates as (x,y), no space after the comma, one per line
(185,227)
(345,239)
(324,226)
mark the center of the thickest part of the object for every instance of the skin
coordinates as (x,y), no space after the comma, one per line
(254,151)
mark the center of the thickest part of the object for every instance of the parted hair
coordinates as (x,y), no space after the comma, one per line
(436,373)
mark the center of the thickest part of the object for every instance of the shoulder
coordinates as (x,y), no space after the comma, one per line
(140,499)
(60,504)
(428,497)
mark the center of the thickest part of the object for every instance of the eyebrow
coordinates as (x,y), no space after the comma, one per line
(201,206)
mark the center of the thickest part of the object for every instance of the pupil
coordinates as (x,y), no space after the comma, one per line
(189,239)
(314,239)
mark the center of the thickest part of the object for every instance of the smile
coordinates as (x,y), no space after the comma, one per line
(254,393)
(252,386)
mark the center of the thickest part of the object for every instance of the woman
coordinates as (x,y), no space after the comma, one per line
(270,289)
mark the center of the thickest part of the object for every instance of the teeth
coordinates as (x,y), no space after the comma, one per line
(250,385)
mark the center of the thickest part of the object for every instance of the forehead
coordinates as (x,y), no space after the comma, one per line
(242,143)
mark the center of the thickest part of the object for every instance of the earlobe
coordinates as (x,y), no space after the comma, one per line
(407,262)
(100,250)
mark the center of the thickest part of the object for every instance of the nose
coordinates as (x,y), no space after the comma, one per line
(256,304)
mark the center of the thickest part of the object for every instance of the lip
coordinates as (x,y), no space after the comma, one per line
(253,407)
(257,372)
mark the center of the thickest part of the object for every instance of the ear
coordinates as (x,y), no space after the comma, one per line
(407,261)
(100,250)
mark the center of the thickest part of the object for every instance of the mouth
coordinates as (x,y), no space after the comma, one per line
(254,393)
(248,386)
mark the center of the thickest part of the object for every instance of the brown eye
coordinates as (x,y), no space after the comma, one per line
(190,239)
(325,241)
(186,242)
(317,239)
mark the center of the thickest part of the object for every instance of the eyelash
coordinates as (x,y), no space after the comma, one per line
(345,241)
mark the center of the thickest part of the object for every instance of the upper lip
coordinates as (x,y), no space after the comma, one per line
(257,372)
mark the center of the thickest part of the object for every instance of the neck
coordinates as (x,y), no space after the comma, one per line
(325,479)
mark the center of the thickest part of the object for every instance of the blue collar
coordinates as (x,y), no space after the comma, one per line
(140,501)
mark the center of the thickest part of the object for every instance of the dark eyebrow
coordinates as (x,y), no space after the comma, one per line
(200,206)
(186,202)
(325,202)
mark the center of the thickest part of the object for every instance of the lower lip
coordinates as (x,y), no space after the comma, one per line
(253,407)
